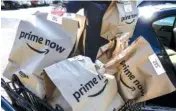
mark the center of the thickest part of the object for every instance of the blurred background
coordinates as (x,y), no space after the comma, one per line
(16,4)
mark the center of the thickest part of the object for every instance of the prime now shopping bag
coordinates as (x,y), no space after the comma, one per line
(140,74)
(121,16)
(113,48)
(79,87)
(41,41)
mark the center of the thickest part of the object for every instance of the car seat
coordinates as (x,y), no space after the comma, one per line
(172,55)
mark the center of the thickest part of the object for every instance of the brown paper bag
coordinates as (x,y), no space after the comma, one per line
(42,39)
(113,48)
(140,74)
(120,17)
(79,87)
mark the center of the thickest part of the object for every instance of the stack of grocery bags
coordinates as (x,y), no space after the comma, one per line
(45,56)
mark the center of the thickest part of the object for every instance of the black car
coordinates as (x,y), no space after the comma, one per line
(10,4)
(2,5)
(24,3)
(157,24)
(57,1)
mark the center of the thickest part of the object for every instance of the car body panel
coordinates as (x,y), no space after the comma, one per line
(142,3)
(144,27)
(25,3)
(11,4)
(2,4)
(144,23)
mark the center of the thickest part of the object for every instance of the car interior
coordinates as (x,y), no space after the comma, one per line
(165,29)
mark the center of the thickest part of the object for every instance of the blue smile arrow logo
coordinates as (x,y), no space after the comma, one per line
(132,88)
(38,51)
(130,22)
(99,92)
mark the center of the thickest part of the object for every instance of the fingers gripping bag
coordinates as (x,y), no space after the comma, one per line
(41,41)
(139,72)
(120,17)
(79,86)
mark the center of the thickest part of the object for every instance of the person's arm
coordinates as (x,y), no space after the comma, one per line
(74,6)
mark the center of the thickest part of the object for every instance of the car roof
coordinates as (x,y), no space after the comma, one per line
(151,9)
(165,6)
(159,7)
(141,3)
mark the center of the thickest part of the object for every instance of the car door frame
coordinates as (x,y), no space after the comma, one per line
(174,35)
(163,34)
(146,30)
(166,60)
